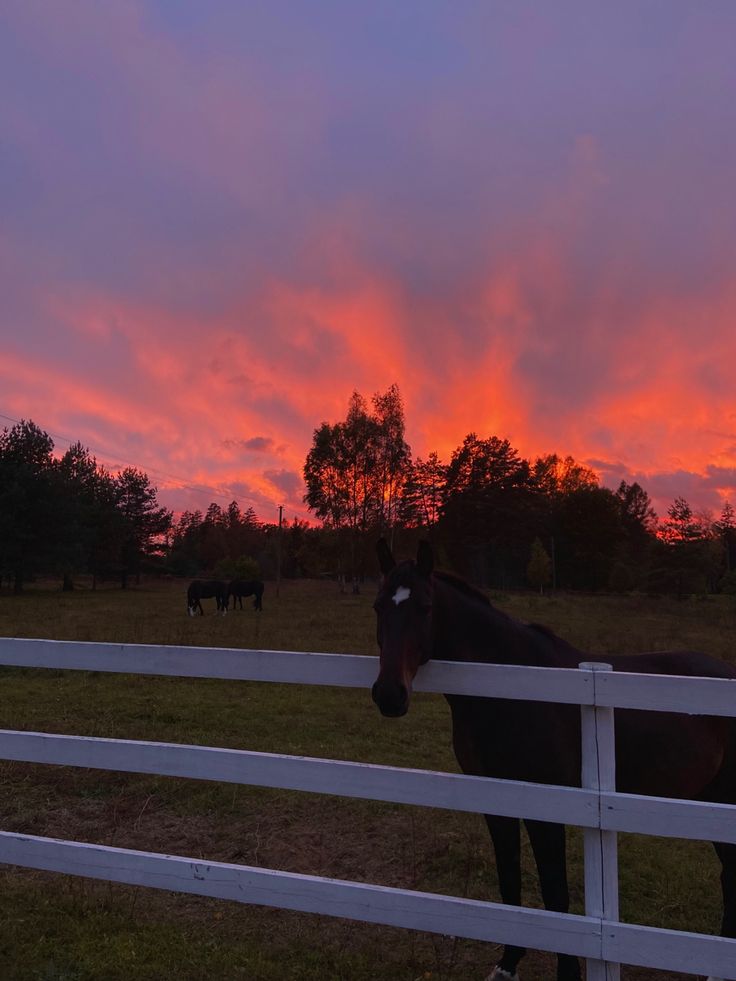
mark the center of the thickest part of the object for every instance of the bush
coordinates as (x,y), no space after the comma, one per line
(728,583)
(244,567)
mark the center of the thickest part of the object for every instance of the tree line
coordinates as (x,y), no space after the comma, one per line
(67,515)
(504,521)
(498,519)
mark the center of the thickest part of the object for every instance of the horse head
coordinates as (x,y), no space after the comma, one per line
(404,626)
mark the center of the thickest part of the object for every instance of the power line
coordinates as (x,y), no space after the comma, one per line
(181,482)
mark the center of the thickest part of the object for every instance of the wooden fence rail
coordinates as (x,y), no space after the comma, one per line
(596,807)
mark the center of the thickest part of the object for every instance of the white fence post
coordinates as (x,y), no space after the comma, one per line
(600,849)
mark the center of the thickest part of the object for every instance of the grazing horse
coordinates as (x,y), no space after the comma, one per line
(239,588)
(422,614)
(205,589)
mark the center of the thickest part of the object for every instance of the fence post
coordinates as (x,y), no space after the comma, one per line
(600,851)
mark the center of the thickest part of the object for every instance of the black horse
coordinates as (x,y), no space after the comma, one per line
(423,614)
(239,588)
(205,589)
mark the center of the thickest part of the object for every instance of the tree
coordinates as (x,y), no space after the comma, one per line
(690,559)
(681,524)
(355,469)
(144,522)
(422,493)
(29,501)
(107,529)
(638,542)
(588,534)
(539,569)
(78,475)
(554,474)
(392,455)
(489,517)
(726,528)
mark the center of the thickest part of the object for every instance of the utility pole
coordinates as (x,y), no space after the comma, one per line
(278,550)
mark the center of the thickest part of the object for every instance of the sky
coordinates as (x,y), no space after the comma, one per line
(218,220)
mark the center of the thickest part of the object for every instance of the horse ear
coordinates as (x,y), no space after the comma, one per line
(385,558)
(425,559)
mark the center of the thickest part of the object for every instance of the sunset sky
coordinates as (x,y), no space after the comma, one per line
(218,219)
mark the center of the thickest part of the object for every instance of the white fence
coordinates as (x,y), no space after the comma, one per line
(598,936)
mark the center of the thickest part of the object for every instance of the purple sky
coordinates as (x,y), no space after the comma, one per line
(217,220)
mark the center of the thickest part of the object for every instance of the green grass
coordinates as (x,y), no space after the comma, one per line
(58,927)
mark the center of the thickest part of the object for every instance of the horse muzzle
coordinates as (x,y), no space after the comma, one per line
(392,698)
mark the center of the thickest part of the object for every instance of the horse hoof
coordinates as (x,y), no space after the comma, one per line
(501,974)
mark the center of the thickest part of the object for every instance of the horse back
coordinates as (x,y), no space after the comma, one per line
(663,754)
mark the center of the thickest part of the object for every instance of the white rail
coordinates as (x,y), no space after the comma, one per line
(597,936)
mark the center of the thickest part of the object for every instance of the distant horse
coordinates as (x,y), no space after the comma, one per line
(423,614)
(239,588)
(205,589)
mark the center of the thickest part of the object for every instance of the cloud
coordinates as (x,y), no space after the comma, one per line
(256,444)
(219,222)
(287,481)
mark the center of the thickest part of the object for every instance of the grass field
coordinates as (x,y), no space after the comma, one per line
(57,928)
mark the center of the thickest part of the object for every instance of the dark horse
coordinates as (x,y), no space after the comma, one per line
(423,614)
(239,588)
(205,589)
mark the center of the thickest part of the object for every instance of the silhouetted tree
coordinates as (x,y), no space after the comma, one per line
(77,477)
(639,526)
(725,527)
(554,475)
(144,521)
(489,515)
(392,455)
(354,469)
(587,536)
(29,503)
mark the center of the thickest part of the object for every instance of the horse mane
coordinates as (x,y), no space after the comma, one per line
(543,631)
(462,586)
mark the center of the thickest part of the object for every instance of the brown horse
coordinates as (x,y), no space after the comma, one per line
(423,614)
(239,588)
(201,589)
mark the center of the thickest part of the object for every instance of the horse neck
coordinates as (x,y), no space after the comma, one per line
(466,628)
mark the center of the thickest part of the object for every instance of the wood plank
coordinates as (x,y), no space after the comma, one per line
(666,693)
(670,950)
(293,667)
(669,693)
(697,820)
(426,788)
(452,916)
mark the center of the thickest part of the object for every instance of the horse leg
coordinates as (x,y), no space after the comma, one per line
(727,854)
(505,835)
(548,844)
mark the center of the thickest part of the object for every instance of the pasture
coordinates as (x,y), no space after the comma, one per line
(58,927)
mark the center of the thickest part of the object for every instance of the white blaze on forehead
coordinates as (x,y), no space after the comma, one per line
(401,594)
